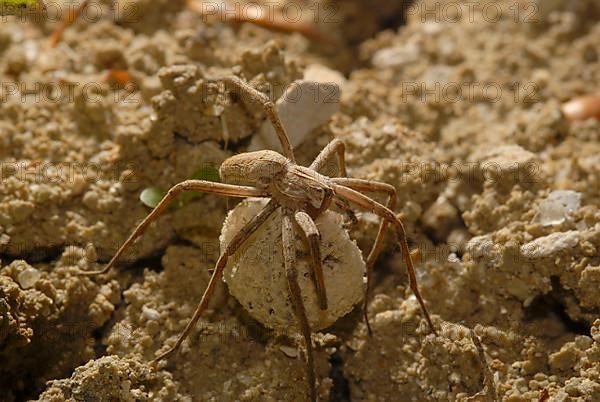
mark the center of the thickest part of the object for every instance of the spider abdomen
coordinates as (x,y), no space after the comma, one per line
(257,168)
(256,275)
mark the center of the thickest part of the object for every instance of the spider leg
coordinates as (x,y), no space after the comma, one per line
(335,147)
(376,187)
(289,256)
(488,378)
(269,108)
(375,207)
(312,235)
(231,248)
(188,185)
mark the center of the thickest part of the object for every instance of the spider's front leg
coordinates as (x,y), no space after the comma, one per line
(188,185)
(289,257)
(269,108)
(337,148)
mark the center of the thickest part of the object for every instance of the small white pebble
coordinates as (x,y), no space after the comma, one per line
(323,74)
(29,277)
(31,50)
(480,246)
(557,207)
(304,106)
(547,246)
(455,378)
(507,158)
(121,334)
(150,313)
(4,239)
(126,386)
(452,257)
(396,56)
(528,301)
(244,379)
(289,351)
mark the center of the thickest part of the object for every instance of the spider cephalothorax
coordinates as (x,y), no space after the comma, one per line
(292,185)
(301,194)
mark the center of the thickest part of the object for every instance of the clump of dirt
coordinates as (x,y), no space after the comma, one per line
(113,378)
(48,318)
(445,367)
(460,110)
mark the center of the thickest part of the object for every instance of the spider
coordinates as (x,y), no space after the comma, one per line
(302,194)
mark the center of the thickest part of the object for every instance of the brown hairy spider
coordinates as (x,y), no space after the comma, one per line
(303,194)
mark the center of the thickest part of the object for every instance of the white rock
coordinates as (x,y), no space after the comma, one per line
(150,313)
(320,73)
(256,276)
(549,245)
(289,351)
(507,158)
(396,56)
(121,334)
(453,258)
(4,239)
(480,246)
(31,50)
(432,27)
(304,106)
(438,76)
(28,277)
(557,207)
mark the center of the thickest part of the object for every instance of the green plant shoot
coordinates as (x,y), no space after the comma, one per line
(151,196)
